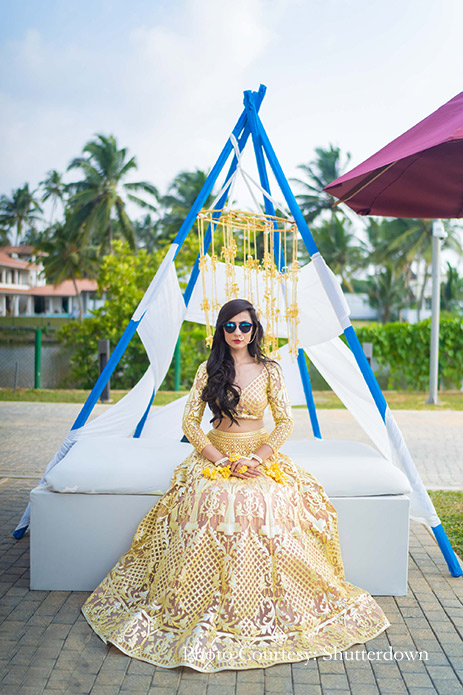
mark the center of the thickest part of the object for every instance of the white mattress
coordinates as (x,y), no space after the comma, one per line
(121,465)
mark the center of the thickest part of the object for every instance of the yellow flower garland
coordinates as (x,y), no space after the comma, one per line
(250,240)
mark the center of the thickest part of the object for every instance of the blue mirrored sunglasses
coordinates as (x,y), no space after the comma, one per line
(244,326)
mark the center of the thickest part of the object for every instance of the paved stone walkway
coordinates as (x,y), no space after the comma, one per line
(435,439)
(46,646)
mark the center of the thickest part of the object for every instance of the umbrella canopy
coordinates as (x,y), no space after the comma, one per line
(419,174)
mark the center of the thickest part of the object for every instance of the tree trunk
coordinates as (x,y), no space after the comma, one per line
(419,305)
(53,211)
(18,232)
(79,298)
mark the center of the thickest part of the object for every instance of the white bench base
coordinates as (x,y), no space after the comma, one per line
(76,538)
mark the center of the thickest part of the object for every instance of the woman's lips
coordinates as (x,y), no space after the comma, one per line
(237,341)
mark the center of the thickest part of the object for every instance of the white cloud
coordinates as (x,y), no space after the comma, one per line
(170,88)
(172,95)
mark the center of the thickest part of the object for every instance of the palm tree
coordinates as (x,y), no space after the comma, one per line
(67,257)
(181,195)
(416,243)
(340,248)
(148,233)
(98,206)
(19,211)
(451,291)
(54,189)
(4,240)
(175,206)
(326,167)
(387,292)
(384,250)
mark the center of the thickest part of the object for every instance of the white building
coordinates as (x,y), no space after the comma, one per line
(24,291)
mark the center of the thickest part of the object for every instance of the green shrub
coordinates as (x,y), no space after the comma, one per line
(403,349)
(124,277)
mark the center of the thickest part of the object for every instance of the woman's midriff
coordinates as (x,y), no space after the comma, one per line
(244,425)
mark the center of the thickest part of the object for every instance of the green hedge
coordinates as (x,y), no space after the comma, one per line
(402,351)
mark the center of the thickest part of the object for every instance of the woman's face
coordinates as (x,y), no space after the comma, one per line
(238,340)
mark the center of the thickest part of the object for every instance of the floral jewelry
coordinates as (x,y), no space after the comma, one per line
(274,471)
(225,471)
(237,457)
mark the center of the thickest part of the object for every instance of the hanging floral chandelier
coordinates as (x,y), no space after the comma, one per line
(253,241)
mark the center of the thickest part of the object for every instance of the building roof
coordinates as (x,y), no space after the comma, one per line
(21,250)
(13,290)
(6,260)
(64,289)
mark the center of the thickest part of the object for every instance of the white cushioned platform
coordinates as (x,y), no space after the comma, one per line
(76,539)
(348,469)
(117,465)
(121,465)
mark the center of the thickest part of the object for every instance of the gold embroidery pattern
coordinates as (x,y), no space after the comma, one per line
(267,388)
(280,407)
(194,411)
(234,573)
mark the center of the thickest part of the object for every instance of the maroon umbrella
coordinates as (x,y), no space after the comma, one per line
(419,174)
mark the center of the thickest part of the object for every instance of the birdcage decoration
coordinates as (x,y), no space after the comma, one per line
(252,242)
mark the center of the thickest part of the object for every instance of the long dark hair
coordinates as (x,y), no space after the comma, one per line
(220,393)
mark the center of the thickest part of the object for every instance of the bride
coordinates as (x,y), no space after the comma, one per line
(238,565)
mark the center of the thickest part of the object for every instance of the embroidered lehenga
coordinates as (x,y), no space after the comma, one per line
(235,573)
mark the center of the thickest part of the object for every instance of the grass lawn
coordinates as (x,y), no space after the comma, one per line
(397,400)
(449,506)
(33,321)
(75,395)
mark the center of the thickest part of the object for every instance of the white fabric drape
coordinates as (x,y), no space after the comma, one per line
(338,367)
(161,313)
(421,506)
(292,377)
(318,321)
(161,324)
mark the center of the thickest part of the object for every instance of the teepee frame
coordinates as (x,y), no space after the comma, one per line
(249,124)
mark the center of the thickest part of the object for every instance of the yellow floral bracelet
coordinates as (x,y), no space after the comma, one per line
(225,471)
(273,470)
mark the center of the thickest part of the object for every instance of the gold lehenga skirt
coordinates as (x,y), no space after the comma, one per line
(234,573)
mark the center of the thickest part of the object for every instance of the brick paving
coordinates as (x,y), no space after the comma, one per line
(47,647)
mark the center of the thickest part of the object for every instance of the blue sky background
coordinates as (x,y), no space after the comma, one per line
(166,78)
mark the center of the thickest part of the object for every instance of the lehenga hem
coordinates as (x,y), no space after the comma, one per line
(134,654)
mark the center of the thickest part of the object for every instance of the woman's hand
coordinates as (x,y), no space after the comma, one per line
(251,471)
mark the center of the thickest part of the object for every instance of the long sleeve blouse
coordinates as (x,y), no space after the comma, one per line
(268,388)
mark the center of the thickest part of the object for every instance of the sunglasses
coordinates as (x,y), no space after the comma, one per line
(244,326)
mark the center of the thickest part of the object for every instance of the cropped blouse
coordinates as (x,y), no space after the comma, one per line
(267,388)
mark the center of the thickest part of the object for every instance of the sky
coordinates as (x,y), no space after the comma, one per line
(166,77)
